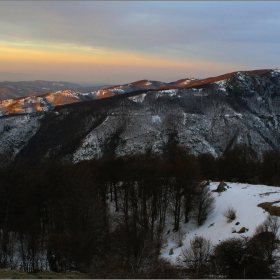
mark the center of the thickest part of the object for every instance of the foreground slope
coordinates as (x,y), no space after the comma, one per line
(213,116)
(244,198)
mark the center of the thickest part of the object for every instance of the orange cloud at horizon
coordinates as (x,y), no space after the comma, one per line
(71,59)
(105,57)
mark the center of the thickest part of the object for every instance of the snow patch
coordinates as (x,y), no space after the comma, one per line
(240,77)
(117,90)
(168,92)
(156,119)
(275,72)
(89,149)
(242,197)
(138,98)
(277,204)
(222,85)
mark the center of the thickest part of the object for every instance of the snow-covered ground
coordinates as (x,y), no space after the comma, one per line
(244,198)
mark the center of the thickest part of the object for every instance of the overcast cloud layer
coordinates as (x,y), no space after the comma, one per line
(209,38)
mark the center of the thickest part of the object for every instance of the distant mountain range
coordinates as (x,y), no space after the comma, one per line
(11,90)
(204,115)
(27,97)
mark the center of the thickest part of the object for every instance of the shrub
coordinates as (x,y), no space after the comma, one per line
(179,238)
(230,214)
(239,258)
(171,251)
(267,236)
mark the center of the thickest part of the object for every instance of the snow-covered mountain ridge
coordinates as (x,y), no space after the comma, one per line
(48,101)
(209,115)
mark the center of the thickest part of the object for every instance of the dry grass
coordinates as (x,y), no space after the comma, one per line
(272,210)
(171,251)
(19,274)
(267,193)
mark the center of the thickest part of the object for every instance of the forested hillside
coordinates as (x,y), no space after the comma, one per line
(62,216)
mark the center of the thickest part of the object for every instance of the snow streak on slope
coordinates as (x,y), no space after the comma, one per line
(222,85)
(15,133)
(91,144)
(244,198)
(138,98)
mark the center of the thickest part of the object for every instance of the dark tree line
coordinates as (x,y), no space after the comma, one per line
(242,164)
(55,216)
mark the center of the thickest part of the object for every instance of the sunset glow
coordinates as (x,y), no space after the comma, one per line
(95,42)
(81,55)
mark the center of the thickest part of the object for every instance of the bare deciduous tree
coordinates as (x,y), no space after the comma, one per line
(204,203)
(196,255)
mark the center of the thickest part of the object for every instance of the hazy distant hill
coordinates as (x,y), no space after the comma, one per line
(11,90)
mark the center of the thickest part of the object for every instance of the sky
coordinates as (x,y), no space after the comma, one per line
(117,42)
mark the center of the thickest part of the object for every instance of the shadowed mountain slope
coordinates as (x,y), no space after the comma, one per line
(211,116)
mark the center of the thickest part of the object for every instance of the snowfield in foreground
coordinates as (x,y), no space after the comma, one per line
(244,198)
